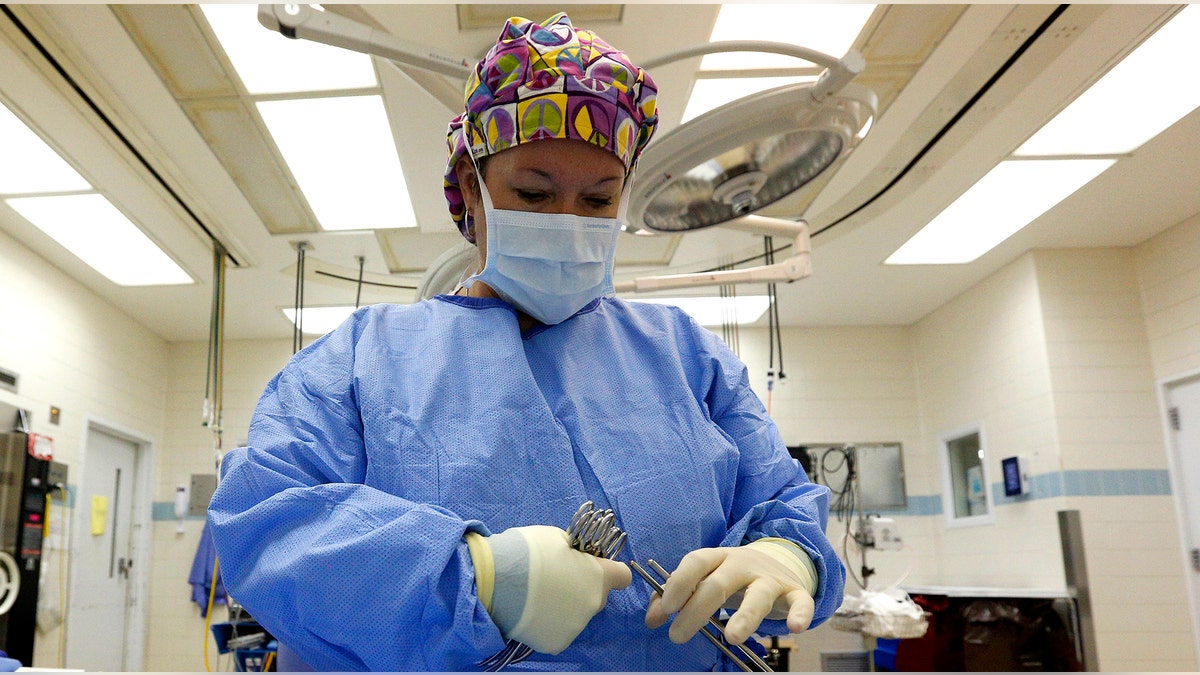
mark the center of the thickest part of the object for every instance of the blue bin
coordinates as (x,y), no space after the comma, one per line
(885,654)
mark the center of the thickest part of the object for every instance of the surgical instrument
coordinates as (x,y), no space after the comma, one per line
(591,531)
(718,642)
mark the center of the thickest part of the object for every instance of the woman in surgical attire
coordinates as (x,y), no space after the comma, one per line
(401,500)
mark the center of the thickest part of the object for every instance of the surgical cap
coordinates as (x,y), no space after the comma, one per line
(550,81)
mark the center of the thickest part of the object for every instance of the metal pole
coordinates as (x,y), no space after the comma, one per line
(1070,531)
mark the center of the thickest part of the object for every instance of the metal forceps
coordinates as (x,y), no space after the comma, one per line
(591,531)
(719,642)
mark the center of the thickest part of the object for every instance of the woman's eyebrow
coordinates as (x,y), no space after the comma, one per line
(540,173)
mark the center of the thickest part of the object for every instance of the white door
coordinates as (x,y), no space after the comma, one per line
(1183,409)
(101,562)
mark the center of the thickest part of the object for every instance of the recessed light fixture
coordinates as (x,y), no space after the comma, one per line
(31,166)
(343,156)
(831,29)
(269,63)
(1134,101)
(320,320)
(710,93)
(715,311)
(828,28)
(1008,198)
(99,234)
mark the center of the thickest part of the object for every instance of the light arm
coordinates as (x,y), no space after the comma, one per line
(794,268)
(304,22)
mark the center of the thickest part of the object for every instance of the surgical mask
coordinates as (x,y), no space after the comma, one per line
(549,265)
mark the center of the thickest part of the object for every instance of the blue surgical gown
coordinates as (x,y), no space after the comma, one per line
(339,527)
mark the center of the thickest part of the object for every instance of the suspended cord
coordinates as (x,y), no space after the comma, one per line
(364,282)
(729,324)
(298,321)
(778,328)
(214,376)
(768,257)
(362,261)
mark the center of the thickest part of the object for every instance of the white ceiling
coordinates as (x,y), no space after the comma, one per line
(140,145)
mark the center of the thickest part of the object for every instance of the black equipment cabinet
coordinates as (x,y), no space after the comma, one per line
(24,484)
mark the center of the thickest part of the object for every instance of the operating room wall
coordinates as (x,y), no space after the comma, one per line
(1051,355)
(1168,270)
(177,639)
(1113,457)
(843,384)
(849,384)
(73,350)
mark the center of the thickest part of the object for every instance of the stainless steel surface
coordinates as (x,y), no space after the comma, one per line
(1070,530)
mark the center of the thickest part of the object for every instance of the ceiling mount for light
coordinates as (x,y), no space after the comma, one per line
(714,170)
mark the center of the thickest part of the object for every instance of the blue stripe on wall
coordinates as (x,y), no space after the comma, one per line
(1080,483)
(166,511)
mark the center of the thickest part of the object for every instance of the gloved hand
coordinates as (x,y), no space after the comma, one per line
(768,578)
(539,590)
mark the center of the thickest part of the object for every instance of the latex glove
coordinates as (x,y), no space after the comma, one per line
(768,578)
(537,589)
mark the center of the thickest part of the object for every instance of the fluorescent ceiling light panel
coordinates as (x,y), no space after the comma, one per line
(30,166)
(320,320)
(709,311)
(269,63)
(1136,100)
(96,232)
(831,29)
(711,93)
(1008,198)
(343,157)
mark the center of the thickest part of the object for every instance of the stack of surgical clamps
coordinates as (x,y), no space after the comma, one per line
(755,662)
(590,531)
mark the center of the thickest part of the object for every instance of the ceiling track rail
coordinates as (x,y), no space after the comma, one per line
(987,86)
(120,135)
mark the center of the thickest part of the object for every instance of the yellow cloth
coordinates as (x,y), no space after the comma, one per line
(791,555)
(485,567)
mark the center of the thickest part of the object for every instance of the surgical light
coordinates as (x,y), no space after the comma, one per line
(341,152)
(1009,197)
(95,231)
(715,170)
(1108,119)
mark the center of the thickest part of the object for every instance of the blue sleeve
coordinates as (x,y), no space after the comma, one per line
(773,497)
(347,576)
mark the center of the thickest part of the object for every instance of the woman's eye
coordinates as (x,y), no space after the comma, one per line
(599,202)
(531,196)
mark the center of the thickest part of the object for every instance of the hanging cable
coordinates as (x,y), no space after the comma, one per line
(214,386)
(362,261)
(729,323)
(298,317)
(769,259)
